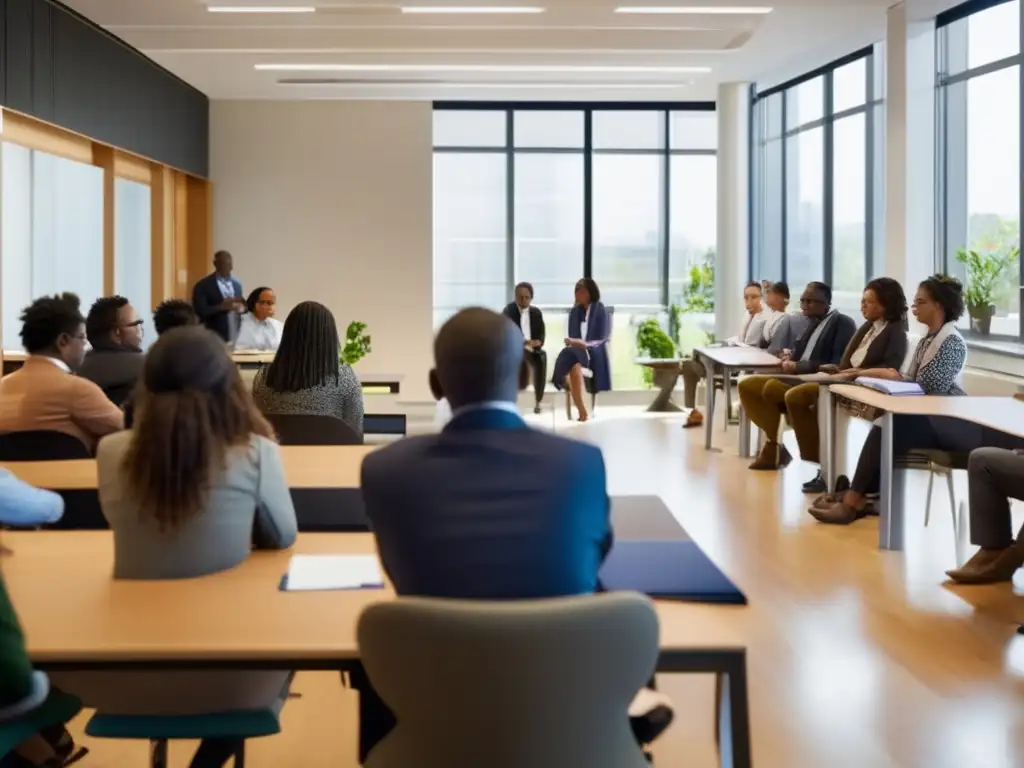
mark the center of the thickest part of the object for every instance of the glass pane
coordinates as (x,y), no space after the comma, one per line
(132,264)
(693,216)
(469,232)
(627,228)
(770,191)
(548,129)
(849,222)
(67,228)
(694,130)
(850,85)
(458,128)
(993,34)
(774,116)
(805,102)
(16,241)
(549,225)
(805,183)
(993,183)
(629,130)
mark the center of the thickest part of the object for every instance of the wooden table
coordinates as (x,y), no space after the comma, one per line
(240,619)
(666,374)
(726,360)
(1004,414)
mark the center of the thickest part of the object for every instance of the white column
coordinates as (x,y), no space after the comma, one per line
(909,254)
(732,252)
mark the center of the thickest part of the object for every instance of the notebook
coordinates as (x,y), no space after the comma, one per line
(889,387)
(322,572)
(669,570)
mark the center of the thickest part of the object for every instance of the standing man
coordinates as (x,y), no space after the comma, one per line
(115,361)
(217,298)
(530,320)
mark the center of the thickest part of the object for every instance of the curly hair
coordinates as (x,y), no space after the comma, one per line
(947,292)
(173,313)
(47,318)
(192,409)
(102,318)
(890,295)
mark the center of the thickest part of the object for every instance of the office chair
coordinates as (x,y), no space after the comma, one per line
(307,429)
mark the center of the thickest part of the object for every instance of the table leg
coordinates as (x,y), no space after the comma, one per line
(709,406)
(890,499)
(727,389)
(666,378)
(744,433)
(732,729)
(827,429)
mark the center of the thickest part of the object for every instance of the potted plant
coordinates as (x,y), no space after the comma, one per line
(356,344)
(653,342)
(986,271)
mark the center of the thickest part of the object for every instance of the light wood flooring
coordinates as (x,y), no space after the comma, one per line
(857,657)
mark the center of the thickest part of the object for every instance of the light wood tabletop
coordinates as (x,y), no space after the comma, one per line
(1005,414)
(240,615)
(739,357)
(305,466)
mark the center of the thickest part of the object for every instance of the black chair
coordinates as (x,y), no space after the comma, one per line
(81,506)
(307,429)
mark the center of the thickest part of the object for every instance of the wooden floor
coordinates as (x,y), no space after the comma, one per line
(857,658)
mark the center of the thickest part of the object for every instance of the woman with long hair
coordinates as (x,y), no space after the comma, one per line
(586,347)
(188,491)
(307,376)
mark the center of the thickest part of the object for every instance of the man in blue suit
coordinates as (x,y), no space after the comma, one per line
(489,508)
(217,298)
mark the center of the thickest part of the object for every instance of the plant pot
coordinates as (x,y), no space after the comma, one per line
(981,319)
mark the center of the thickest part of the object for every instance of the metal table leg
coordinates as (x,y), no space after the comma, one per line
(733,723)
(827,429)
(890,499)
(727,390)
(709,419)
(744,433)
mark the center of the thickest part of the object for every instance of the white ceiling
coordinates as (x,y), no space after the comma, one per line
(217,53)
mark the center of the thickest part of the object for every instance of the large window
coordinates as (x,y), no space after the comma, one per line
(980,173)
(816,158)
(547,195)
(132,245)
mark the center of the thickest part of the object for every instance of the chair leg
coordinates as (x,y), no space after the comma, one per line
(928,496)
(158,753)
(952,502)
(240,755)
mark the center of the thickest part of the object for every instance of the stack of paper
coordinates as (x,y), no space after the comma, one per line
(890,387)
(318,572)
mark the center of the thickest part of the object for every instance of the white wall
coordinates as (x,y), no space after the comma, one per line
(330,201)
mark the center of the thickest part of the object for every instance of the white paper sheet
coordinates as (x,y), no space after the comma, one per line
(314,572)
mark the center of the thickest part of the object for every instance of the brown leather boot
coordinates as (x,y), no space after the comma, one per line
(990,566)
(695,419)
(772,456)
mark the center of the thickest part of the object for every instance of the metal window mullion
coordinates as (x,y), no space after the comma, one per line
(869,171)
(828,182)
(1020,196)
(588,196)
(510,203)
(665,210)
(784,207)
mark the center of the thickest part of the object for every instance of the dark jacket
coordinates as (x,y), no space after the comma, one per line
(599,331)
(489,509)
(830,347)
(15,668)
(537,330)
(887,350)
(206,300)
(114,369)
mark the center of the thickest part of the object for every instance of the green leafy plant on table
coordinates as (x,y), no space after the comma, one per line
(987,274)
(356,345)
(652,341)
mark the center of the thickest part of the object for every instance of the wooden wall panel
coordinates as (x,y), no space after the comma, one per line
(200,230)
(103,157)
(180,260)
(133,168)
(34,134)
(162,228)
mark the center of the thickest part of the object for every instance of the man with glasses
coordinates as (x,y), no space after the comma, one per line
(115,361)
(822,343)
(44,394)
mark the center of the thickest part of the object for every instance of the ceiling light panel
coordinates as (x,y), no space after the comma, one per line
(472,9)
(261,9)
(737,10)
(538,68)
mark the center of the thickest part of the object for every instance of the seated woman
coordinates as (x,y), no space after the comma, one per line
(586,347)
(306,377)
(259,329)
(936,366)
(189,491)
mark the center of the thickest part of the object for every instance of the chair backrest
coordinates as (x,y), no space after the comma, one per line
(539,683)
(913,339)
(41,445)
(308,429)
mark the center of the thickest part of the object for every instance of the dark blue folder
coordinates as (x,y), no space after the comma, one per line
(668,570)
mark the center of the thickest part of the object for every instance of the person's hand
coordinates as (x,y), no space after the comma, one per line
(786,354)
(533,344)
(788,366)
(230,303)
(829,369)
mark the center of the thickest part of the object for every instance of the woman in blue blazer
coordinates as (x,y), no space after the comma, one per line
(586,347)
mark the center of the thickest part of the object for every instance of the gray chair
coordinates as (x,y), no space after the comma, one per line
(538,683)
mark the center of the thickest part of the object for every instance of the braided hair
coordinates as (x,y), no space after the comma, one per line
(308,354)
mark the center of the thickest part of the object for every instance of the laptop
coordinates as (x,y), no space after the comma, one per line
(668,570)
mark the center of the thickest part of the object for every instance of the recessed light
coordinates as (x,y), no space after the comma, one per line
(495,9)
(693,9)
(505,86)
(539,68)
(261,9)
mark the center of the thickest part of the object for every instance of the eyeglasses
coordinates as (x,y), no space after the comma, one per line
(134,324)
(804,300)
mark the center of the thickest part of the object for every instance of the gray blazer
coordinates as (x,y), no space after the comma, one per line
(790,328)
(249,504)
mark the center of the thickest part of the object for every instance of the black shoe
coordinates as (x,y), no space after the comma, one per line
(654,717)
(536,408)
(842,484)
(817,485)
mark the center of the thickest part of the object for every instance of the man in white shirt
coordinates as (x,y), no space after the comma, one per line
(530,321)
(751,333)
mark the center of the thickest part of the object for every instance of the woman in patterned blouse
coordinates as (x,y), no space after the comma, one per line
(306,377)
(936,366)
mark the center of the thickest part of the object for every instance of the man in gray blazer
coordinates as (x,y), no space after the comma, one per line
(115,361)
